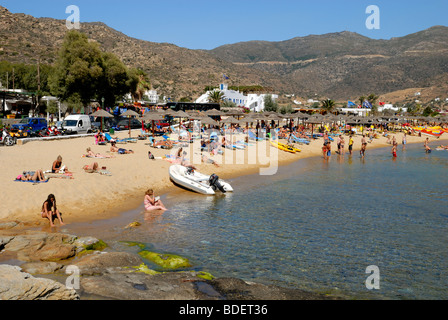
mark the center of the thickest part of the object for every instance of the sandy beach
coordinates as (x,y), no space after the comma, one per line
(92,196)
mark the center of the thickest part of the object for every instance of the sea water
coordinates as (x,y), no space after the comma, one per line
(317,225)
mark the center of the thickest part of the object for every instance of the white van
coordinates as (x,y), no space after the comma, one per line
(77,124)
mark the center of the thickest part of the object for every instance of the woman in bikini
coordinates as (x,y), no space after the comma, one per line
(114,148)
(152,203)
(91,154)
(49,210)
(92,168)
(32,176)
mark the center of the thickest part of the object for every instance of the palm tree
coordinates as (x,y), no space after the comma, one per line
(142,86)
(215,96)
(361,99)
(138,83)
(328,104)
(372,98)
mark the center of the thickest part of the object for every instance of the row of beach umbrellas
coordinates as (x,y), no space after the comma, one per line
(204,117)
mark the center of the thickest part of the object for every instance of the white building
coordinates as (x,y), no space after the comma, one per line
(255,102)
(391,107)
(150,96)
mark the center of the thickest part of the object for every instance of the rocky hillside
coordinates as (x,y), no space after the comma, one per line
(346,64)
(174,71)
(341,65)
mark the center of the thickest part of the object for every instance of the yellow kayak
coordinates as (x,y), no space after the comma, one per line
(287,149)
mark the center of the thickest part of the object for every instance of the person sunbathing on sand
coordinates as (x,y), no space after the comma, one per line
(49,210)
(153,203)
(114,148)
(92,154)
(208,160)
(91,168)
(165,144)
(32,176)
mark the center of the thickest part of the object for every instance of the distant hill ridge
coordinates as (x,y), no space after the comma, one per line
(338,65)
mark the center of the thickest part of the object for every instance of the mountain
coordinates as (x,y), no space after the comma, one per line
(346,64)
(174,71)
(340,65)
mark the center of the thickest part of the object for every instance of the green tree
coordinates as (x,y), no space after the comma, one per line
(78,70)
(427,111)
(286,109)
(328,104)
(115,82)
(216,96)
(138,83)
(270,104)
(372,98)
(361,99)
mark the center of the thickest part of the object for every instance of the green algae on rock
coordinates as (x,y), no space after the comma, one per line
(205,275)
(167,261)
(144,268)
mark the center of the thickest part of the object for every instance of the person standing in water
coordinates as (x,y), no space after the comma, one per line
(394,150)
(350,145)
(426,144)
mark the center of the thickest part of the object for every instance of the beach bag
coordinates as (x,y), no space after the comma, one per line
(150,155)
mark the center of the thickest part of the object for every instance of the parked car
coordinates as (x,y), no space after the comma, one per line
(124,124)
(96,123)
(32,124)
(77,124)
(109,123)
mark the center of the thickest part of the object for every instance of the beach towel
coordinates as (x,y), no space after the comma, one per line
(97,157)
(32,181)
(50,174)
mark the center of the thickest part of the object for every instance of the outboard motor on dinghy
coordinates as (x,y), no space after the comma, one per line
(214,183)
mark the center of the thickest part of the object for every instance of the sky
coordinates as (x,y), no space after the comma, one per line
(207,24)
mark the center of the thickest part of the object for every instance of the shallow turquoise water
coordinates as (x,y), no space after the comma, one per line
(318,225)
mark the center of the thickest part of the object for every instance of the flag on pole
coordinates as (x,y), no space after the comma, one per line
(367,104)
(351,104)
(225,77)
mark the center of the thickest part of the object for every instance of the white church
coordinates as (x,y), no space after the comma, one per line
(254,102)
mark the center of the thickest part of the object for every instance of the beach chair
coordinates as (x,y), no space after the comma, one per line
(252,136)
(109,138)
(299,140)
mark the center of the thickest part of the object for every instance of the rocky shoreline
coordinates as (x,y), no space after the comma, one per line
(37,265)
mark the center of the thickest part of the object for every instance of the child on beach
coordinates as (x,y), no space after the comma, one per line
(153,203)
(49,210)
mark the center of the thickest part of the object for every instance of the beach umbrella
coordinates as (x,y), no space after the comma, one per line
(102,114)
(130,113)
(152,116)
(208,120)
(214,112)
(231,120)
(181,114)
